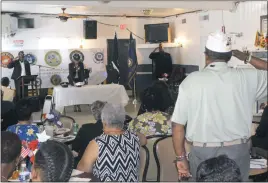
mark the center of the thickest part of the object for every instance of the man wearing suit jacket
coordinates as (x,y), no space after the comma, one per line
(21,68)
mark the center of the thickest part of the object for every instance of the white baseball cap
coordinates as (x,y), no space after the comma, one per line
(219,42)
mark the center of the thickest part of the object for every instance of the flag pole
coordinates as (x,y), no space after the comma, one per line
(135,97)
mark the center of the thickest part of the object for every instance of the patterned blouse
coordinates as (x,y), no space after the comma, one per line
(151,123)
(25,132)
(119,158)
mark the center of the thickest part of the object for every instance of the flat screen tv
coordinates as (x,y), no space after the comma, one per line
(25,23)
(156,33)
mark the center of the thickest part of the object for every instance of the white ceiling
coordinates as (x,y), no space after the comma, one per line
(118,8)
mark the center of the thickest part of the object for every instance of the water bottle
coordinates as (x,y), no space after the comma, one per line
(76,127)
(41,128)
(24,175)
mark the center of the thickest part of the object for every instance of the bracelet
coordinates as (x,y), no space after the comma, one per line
(180,158)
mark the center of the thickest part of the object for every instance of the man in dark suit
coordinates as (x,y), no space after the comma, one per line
(21,68)
(161,62)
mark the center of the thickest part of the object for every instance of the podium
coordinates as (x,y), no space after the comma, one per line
(26,81)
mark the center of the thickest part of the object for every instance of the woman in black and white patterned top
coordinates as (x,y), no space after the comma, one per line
(115,155)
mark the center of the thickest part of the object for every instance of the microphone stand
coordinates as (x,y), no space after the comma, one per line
(135,98)
(39,69)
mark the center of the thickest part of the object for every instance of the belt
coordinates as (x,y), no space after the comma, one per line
(220,144)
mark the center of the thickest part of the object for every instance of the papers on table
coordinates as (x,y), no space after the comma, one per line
(76,172)
(258,163)
(77,179)
(61,138)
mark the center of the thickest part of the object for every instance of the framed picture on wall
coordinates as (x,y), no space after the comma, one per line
(264,24)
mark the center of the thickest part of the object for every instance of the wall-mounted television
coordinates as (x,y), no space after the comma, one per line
(25,23)
(156,33)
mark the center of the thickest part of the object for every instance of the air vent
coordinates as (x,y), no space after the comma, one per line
(183,21)
(147,12)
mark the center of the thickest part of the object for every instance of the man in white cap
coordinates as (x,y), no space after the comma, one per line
(216,103)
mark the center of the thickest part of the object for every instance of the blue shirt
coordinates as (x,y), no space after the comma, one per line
(25,132)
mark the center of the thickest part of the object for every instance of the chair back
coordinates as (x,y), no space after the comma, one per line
(165,155)
(48,105)
(68,122)
(152,174)
(144,163)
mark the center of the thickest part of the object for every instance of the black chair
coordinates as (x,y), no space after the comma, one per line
(86,74)
(144,163)
(154,173)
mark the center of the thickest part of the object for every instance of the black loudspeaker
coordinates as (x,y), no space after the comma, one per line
(90,29)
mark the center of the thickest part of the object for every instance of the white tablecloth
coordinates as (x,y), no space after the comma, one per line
(112,93)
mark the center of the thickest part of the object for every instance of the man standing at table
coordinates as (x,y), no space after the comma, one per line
(216,103)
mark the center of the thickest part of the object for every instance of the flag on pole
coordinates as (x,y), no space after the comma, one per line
(113,65)
(132,61)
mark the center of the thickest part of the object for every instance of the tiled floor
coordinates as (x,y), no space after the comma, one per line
(86,117)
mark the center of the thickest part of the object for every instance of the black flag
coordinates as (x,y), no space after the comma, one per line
(132,61)
(113,65)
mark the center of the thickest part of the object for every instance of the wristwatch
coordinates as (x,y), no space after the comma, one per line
(248,59)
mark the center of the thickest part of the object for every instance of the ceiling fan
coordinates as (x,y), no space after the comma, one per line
(65,16)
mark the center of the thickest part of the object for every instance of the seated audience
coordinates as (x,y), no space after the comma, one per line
(53,163)
(114,155)
(88,131)
(8,114)
(154,121)
(24,129)
(260,139)
(8,93)
(219,169)
(10,154)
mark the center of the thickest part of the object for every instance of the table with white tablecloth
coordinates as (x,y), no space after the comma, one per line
(112,93)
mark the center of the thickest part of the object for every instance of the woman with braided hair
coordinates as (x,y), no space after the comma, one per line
(53,163)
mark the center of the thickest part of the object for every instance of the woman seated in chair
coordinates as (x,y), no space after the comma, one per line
(24,129)
(114,146)
(162,93)
(53,163)
(88,131)
(154,121)
(76,74)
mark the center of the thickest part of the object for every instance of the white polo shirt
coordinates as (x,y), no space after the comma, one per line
(217,102)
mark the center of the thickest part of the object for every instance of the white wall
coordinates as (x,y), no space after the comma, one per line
(245,19)
(51,33)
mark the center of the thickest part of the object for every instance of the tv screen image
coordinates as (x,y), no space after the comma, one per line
(156,33)
(25,23)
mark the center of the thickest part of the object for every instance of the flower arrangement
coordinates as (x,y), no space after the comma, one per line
(54,117)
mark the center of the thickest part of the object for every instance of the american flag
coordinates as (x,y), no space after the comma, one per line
(24,152)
